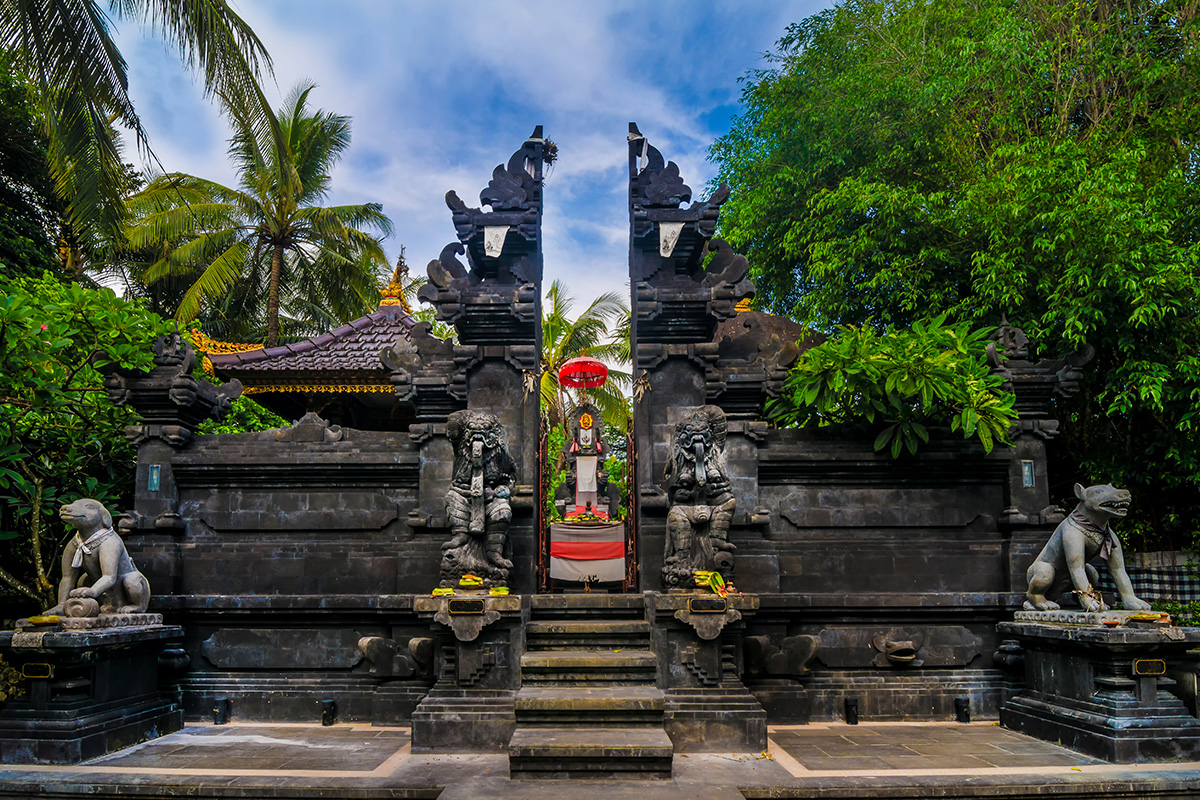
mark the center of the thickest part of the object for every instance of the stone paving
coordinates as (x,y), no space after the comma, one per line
(819,760)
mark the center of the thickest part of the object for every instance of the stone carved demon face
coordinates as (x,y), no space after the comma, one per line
(476,431)
(699,442)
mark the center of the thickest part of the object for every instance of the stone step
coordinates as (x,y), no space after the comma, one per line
(608,606)
(629,705)
(569,666)
(585,634)
(583,627)
(572,753)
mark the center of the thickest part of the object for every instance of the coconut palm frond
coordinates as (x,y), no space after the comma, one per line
(314,265)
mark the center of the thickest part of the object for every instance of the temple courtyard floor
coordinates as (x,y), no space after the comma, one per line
(834,760)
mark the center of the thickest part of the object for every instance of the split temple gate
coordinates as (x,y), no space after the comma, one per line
(300,561)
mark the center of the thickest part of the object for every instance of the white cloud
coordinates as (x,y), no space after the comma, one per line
(440,93)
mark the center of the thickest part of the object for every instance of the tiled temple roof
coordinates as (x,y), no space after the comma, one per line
(352,347)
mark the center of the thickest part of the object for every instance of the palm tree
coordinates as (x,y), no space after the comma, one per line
(64,50)
(586,335)
(266,249)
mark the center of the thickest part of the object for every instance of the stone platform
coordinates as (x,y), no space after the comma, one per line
(1107,692)
(895,760)
(89,692)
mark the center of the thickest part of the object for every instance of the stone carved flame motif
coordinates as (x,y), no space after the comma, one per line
(477,504)
(660,183)
(702,504)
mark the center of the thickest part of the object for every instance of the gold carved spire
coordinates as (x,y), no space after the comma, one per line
(393,293)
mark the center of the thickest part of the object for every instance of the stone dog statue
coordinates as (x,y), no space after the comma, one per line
(1083,535)
(97,552)
(702,504)
(477,504)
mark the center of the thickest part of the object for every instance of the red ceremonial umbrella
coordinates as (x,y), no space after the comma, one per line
(583,373)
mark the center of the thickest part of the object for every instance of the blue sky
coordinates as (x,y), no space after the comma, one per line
(441,92)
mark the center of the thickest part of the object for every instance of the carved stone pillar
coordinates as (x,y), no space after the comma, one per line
(480,639)
(699,640)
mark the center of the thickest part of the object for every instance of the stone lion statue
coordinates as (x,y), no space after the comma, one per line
(477,504)
(97,552)
(1083,535)
(702,504)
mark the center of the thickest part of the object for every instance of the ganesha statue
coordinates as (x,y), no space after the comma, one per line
(477,505)
(702,503)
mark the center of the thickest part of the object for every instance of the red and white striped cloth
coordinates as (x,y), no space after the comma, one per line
(587,553)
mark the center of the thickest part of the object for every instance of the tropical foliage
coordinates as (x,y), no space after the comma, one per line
(901,383)
(1032,158)
(66,53)
(60,436)
(251,255)
(28,207)
(588,334)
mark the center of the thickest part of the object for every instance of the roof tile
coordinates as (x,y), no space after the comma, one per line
(353,346)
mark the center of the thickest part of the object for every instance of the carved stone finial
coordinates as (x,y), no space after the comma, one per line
(1012,340)
(505,191)
(702,503)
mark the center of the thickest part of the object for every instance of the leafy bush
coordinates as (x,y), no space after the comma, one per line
(904,381)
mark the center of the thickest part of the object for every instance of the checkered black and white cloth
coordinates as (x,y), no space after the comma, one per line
(1168,584)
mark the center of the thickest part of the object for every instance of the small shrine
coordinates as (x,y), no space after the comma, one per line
(588,547)
(337,375)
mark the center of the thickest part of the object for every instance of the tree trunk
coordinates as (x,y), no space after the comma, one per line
(273,297)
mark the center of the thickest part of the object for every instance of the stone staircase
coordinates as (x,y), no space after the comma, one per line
(589,706)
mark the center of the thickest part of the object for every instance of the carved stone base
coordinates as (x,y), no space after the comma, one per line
(726,719)
(102,622)
(471,707)
(471,721)
(1104,692)
(87,693)
(698,637)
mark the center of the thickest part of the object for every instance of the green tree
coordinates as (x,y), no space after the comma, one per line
(60,437)
(28,207)
(66,53)
(588,334)
(266,248)
(1024,157)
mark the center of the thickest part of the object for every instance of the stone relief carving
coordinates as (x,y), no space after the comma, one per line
(789,656)
(702,504)
(477,504)
(898,648)
(97,552)
(309,428)
(1079,538)
(388,660)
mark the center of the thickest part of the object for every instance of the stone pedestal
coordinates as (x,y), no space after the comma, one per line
(87,693)
(471,707)
(698,640)
(1103,691)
